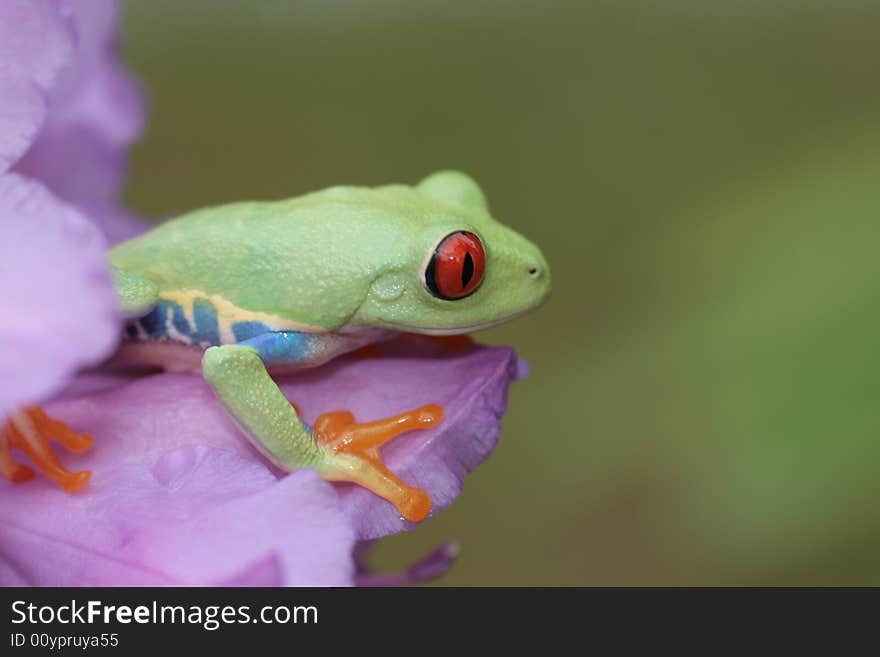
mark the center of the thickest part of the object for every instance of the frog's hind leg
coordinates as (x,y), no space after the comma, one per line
(336,447)
(30,431)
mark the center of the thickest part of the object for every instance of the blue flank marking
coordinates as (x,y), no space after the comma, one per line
(281,347)
(154,322)
(278,347)
(180,321)
(207,331)
(247,330)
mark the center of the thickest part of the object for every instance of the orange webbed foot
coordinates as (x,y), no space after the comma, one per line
(30,431)
(355,449)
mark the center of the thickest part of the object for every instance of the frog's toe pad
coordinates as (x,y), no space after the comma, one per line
(356,450)
(30,431)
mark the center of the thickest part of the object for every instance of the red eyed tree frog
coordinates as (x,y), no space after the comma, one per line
(241,289)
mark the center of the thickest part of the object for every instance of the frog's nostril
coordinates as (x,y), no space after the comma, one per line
(534,271)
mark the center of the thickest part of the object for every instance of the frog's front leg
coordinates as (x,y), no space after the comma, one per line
(336,447)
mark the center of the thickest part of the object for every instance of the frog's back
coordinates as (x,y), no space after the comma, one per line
(306,260)
(332,207)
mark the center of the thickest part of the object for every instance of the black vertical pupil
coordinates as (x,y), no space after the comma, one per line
(467,270)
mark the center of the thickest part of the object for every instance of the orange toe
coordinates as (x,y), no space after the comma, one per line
(30,431)
(74,482)
(12,470)
(415,505)
(338,432)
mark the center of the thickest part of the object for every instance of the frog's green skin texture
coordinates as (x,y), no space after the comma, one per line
(299,281)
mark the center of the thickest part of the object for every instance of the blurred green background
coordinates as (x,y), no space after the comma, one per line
(704,178)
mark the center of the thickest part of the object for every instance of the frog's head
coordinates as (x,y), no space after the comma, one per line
(460,269)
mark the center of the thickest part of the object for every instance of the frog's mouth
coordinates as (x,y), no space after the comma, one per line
(459,330)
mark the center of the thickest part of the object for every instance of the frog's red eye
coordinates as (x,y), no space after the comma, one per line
(457,266)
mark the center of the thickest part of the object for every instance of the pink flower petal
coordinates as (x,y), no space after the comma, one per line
(195,516)
(56,296)
(96,89)
(178,494)
(96,112)
(36,42)
(433,565)
(471,386)
(176,497)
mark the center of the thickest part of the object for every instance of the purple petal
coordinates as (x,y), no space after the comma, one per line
(56,296)
(266,572)
(471,386)
(176,497)
(117,224)
(433,565)
(96,89)
(197,515)
(36,42)
(173,477)
(96,113)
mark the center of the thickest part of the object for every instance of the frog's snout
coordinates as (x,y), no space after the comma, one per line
(538,272)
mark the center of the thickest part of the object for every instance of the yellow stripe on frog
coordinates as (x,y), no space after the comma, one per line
(228,314)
